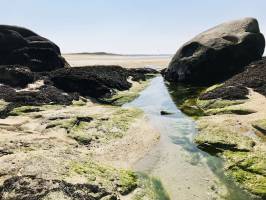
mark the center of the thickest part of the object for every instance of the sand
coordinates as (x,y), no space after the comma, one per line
(157,62)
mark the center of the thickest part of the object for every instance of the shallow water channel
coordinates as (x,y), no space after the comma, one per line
(186,172)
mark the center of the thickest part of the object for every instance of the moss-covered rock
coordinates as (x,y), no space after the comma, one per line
(213,87)
(214,139)
(24,109)
(122,181)
(248,169)
(99,128)
(229,110)
(217,103)
(244,160)
(190,108)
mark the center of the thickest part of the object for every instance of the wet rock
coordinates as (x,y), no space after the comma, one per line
(140,74)
(217,53)
(23,47)
(14,75)
(254,76)
(163,112)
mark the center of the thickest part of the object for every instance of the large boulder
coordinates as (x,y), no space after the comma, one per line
(217,53)
(23,47)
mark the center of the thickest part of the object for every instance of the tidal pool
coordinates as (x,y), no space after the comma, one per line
(186,172)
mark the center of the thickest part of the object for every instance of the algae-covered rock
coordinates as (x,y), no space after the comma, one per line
(196,108)
(244,157)
(217,103)
(214,138)
(123,181)
(86,129)
(190,108)
(230,110)
(248,169)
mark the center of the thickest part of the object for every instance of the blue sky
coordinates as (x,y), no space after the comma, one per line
(125,26)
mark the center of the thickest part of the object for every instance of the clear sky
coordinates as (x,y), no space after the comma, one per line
(125,26)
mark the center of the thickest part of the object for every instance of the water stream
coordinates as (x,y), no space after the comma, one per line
(186,172)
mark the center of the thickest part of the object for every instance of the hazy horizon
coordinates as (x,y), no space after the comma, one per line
(124,26)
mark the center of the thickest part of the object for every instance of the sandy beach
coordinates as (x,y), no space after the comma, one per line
(158,62)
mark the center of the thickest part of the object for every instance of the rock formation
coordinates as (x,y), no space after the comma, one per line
(24,47)
(217,53)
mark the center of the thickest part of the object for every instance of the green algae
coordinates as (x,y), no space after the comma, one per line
(248,169)
(187,100)
(221,138)
(197,108)
(244,164)
(190,108)
(217,103)
(25,109)
(151,188)
(99,128)
(229,110)
(123,181)
(213,87)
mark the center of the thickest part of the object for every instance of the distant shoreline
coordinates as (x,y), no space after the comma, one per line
(114,54)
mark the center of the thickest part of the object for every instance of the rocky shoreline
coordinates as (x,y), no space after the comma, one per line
(64,134)
(57,121)
(229,110)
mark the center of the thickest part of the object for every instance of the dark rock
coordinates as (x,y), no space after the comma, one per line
(95,81)
(229,93)
(141,74)
(254,76)
(17,76)
(217,53)
(163,112)
(47,94)
(24,47)
(143,70)
(83,119)
(33,188)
